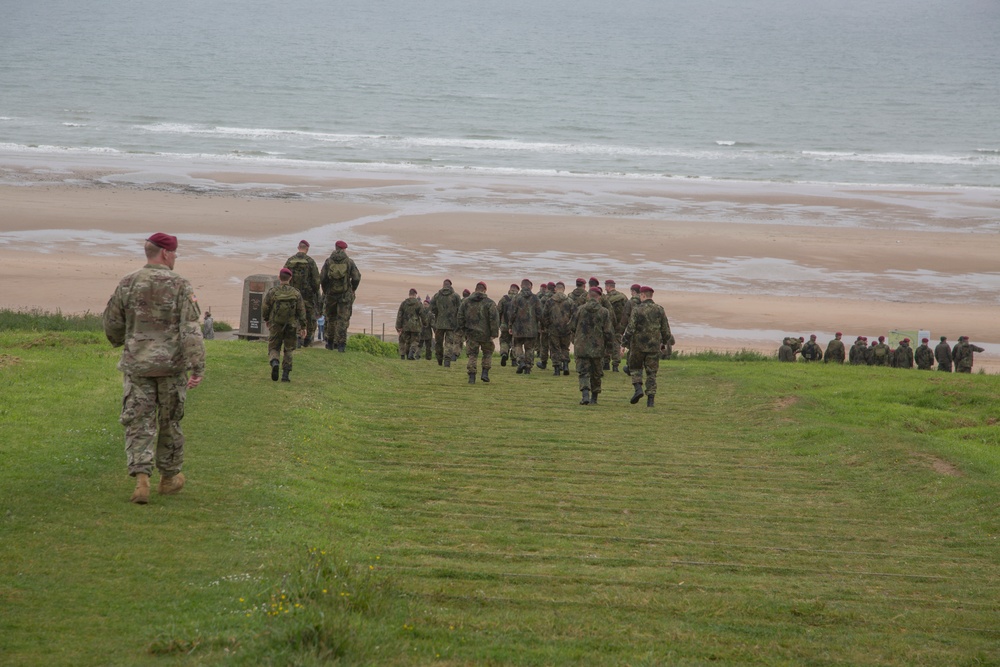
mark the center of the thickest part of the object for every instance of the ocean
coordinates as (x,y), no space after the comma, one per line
(899,92)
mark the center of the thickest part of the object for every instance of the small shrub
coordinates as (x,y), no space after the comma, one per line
(221,326)
(713,355)
(372,345)
(39,320)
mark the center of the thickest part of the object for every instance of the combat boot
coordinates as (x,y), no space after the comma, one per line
(141,494)
(472,378)
(284,375)
(585,397)
(556,370)
(593,398)
(614,367)
(486,375)
(649,400)
(625,369)
(607,365)
(447,362)
(274,370)
(638,393)
(565,368)
(520,369)
(503,359)
(170,484)
(541,365)
(403,357)
(342,347)
(329,345)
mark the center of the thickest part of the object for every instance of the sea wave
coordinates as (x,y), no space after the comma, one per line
(899,158)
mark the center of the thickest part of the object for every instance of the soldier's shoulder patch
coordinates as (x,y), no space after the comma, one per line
(194,298)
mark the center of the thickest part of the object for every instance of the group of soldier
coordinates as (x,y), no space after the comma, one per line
(879,353)
(596,322)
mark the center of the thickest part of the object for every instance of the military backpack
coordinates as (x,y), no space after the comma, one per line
(300,274)
(284,307)
(338,276)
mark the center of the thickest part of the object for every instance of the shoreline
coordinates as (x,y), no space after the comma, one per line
(731,265)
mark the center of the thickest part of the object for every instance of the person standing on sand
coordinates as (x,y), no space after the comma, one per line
(479,322)
(593,334)
(835,350)
(409,323)
(339,278)
(942,353)
(924,355)
(154,314)
(646,334)
(285,313)
(962,354)
(305,278)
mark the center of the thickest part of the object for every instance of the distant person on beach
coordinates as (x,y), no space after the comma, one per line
(902,356)
(479,322)
(444,310)
(811,351)
(962,354)
(321,327)
(835,351)
(558,315)
(942,353)
(409,323)
(646,334)
(285,314)
(503,307)
(154,314)
(305,278)
(525,312)
(339,278)
(593,335)
(208,327)
(924,355)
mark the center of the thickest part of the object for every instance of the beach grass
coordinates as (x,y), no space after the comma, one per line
(35,319)
(382,512)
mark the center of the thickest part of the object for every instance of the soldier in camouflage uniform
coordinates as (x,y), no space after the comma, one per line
(340,278)
(633,301)
(786,352)
(942,353)
(558,315)
(859,352)
(579,293)
(426,333)
(835,351)
(621,313)
(647,332)
(409,324)
(154,314)
(503,307)
(525,311)
(811,351)
(593,334)
(285,314)
(447,338)
(962,354)
(305,278)
(480,324)
(880,353)
(902,356)
(545,292)
(924,355)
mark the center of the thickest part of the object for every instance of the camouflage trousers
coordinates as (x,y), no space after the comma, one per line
(523,349)
(283,336)
(447,344)
(616,349)
(427,346)
(310,317)
(543,347)
(559,348)
(644,361)
(409,344)
(590,371)
(487,346)
(152,409)
(505,339)
(338,317)
(944,367)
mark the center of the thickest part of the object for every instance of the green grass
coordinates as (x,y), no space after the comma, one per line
(382,512)
(40,320)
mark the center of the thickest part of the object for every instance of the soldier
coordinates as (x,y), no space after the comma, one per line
(340,279)
(786,352)
(962,354)
(593,334)
(621,312)
(444,310)
(924,355)
(557,315)
(545,292)
(409,323)
(579,293)
(835,351)
(285,314)
(503,307)
(859,352)
(646,333)
(942,353)
(154,314)
(634,301)
(208,327)
(480,323)
(811,351)
(525,311)
(879,353)
(902,356)
(305,278)
(426,332)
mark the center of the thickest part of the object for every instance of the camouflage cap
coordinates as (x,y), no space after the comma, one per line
(165,241)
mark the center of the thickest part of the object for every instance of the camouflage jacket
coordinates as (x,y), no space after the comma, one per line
(154,314)
(428,320)
(478,318)
(942,353)
(962,354)
(330,290)
(579,296)
(593,333)
(835,351)
(647,329)
(410,316)
(444,306)
(621,310)
(859,353)
(558,315)
(902,356)
(525,313)
(305,275)
(811,351)
(924,356)
(274,295)
(503,307)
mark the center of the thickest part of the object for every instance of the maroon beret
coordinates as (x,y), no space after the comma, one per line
(925,340)
(165,241)
(839,334)
(526,282)
(581,281)
(646,288)
(595,290)
(285,272)
(341,244)
(637,287)
(881,339)
(609,282)
(304,242)
(413,291)
(466,292)
(481,283)
(594,281)
(551,285)
(560,283)
(515,286)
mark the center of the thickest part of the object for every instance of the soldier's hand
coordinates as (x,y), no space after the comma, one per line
(194,381)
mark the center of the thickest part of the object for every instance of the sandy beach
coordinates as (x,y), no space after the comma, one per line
(735,265)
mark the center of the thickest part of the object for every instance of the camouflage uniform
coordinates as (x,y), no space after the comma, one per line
(543,335)
(942,353)
(835,351)
(880,355)
(339,295)
(902,357)
(647,330)
(525,311)
(811,351)
(558,316)
(859,353)
(479,321)
(786,352)
(962,355)
(426,332)
(503,307)
(593,335)
(447,338)
(305,278)
(154,314)
(578,296)
(621,313)
(924,356)
(283,335)
(409,324)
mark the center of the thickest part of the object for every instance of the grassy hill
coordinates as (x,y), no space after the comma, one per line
(382,512)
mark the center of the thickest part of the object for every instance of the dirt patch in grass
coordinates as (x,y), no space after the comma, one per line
(9,360)
(785,402)
(938,465)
